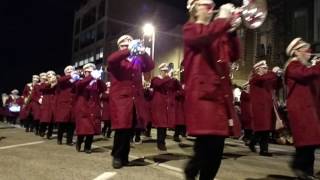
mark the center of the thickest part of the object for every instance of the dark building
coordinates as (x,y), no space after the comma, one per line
(99,23)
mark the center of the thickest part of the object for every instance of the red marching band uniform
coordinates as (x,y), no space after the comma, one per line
(303,106)
(127,102)
(48,106)
(88,107)
(65,97)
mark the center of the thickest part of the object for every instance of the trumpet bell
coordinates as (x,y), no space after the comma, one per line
(254,13)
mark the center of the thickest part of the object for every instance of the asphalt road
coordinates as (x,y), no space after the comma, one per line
(24,156)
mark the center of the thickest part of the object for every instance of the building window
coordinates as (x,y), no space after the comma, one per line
(300,23)
(76,45)
(102,7)
(81,63)
(100,31)
(87,38)
(99,54)
(89,18)
(77,26)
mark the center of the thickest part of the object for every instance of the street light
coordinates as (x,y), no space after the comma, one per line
(149,31)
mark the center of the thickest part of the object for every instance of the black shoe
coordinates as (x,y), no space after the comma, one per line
(48,137)
(27,130)
(190,178)
(88,151)
(162,147)
(117,163)
(59,142)
(41,134)
(265,153)
(69,143)
(252,148)
(176,139)
(78,147)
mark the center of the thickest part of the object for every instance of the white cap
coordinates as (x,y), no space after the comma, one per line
(89,67)
(121,40)
(43,75)
(259,64)
(68,68)
(51,73)
(15,91)
(191,3)
(163,67)
(295,44)
(35,77)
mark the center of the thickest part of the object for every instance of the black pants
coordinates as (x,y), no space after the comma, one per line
(180,130)
(147,132)
(28,123)
(36,124)
(87,141)
(304,159)
(11,119)
(67,127)
(106,130)
(121,141)
(121,144)
(43,128)
(161,135)
(262,137)
(208,151)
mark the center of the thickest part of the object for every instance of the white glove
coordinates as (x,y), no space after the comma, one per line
(226,11)
(74,77)
(133,43)
(277,70)
(40,100)
(96,74)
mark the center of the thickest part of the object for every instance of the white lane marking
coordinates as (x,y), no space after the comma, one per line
(20,145)
(105,176)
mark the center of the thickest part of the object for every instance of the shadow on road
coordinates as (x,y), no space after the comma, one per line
(274,177)
(162,158)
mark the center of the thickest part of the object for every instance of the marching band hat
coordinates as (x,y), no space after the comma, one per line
(89,67)
(51,73)
(191,3)
(68,68)
(163,67)
(121,40)
(15,91)
(295,44)
(259,64)
(43,75)
(35,77)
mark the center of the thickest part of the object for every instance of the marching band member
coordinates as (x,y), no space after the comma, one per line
(36,95)
(209,49)
(65,101)
(25,113)
(87,106)
(262,84)
(246,113)
(12,102)
(147,94)
(163,104)
(29,121)
(106,130)
(303,112)
(180,122)
(127,104)
(48,104)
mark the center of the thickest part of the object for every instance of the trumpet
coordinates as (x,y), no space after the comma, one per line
(253,13)
(315,59)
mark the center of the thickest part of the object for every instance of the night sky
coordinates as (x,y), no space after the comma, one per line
(36,36)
